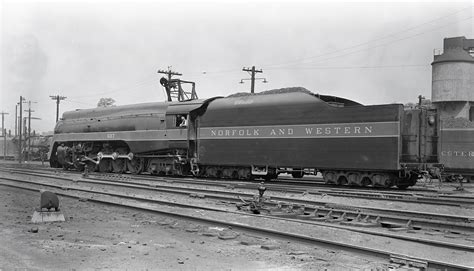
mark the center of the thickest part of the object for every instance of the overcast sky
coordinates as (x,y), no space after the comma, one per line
(370,52)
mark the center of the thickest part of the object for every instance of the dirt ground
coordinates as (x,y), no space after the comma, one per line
(102,237)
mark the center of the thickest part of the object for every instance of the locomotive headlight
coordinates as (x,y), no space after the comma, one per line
(431,120)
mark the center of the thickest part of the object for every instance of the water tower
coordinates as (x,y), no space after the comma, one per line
(452,94)
(453,79)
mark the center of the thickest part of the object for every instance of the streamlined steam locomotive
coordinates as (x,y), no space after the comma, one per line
(254,135)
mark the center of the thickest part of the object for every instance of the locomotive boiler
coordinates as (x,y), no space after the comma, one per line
(133,138)
(249,136)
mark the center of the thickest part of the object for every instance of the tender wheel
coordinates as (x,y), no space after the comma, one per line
(402,187)
(235,175)
(136,165)
(366,182)
(297,174)
(342,180)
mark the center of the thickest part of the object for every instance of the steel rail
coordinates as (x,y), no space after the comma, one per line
(390,217)
(335,213)
(282,180)
(407,196)
(215,194)
(447,200)
(435,263)
(356,192)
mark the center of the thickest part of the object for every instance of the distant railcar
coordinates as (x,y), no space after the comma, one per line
(10,149)
(251,136)
(457,152)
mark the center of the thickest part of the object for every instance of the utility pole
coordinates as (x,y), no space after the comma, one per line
(252,71)
(58,99)
(29,130)
(420,129)
(19,132)
(170,73)
(4,136)
(16,119)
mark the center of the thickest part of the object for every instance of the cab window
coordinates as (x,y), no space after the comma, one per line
(181,121)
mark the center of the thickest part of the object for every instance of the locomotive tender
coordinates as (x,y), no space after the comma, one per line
(457,152)
(248,136)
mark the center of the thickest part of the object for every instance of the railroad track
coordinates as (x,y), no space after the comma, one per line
(285,181)
(282,183)
(360,216)
(408,196)
(245,223)
(315,210)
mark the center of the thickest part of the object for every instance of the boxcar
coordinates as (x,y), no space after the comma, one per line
(457,151)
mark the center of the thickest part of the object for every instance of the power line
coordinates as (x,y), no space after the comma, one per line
(123,88)
(298,61)
(227,70)
(374,40)
(349,67)
(383,44)
(78,102)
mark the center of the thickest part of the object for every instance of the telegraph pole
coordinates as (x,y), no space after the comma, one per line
(4,136)
(252,71)
(29,130)
(19,131)
(16,119)
(58,99)
(170,73)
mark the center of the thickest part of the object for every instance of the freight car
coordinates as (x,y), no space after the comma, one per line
(250,136)
(457,148)
(8,148)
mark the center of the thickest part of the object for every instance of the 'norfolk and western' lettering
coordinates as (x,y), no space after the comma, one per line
(375,129)
(458,153)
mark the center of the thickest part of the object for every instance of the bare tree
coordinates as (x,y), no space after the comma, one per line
(106,102)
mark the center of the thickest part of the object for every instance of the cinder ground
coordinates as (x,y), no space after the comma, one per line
(101,237)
